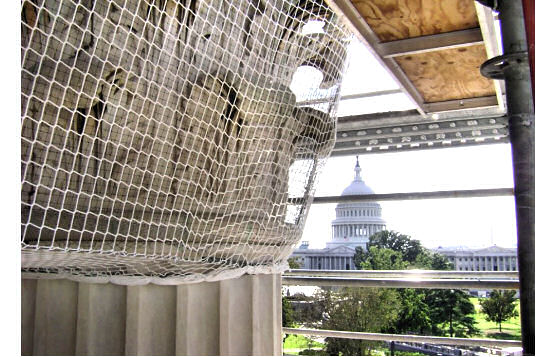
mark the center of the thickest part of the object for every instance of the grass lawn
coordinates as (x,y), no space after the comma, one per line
(296,343)
(511,329)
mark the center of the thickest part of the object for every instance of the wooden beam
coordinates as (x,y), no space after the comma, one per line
(459,104)
(429,43)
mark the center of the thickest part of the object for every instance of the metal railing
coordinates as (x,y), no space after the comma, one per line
(452,341)
(424,279)
(417,279)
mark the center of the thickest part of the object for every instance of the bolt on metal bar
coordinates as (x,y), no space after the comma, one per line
(415,283)
(453,341)
(409,274)
(410,196)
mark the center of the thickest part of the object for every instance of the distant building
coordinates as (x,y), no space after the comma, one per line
(353,225)
(484,259)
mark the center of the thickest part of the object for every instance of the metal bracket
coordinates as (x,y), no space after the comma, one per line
(495,67)
(493,4)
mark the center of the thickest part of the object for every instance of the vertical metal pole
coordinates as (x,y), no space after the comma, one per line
(522,137)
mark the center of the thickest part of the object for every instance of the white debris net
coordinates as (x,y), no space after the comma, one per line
(161,140)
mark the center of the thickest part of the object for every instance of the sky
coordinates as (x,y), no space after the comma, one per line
(471,222)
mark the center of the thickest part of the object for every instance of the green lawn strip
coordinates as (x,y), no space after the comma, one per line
(511,329)
(295,342)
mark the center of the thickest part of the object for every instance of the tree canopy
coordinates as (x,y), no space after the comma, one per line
(422,310)
(413,254)
(499,306)
(451,312)
(360,310)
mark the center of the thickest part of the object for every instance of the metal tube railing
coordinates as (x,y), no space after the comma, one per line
(402,283)
(404,196)
(453,341)
(411,274)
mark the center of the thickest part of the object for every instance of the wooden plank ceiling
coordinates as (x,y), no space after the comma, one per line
(434,48)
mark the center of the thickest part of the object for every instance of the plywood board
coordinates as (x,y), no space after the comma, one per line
(398,19)
(448,74)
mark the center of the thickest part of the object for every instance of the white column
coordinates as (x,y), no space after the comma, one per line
(101,319)
(151,320)
(197,319)
(55,317)
(236,316)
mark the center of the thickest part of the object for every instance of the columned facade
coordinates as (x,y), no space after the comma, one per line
(485,259)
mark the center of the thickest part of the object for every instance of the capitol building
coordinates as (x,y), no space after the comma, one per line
(356,222)
(353,225)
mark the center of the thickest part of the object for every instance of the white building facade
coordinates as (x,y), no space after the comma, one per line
(354,224)
(484,259)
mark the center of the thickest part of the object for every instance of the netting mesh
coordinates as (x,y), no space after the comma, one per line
(172,140)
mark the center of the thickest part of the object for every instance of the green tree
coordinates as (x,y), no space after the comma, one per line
(294,263)
(499,306)
(422,310)
(358,309)
(287,313)
(383,259)
(451,312)
(434,261)
(410,249)
(415,313)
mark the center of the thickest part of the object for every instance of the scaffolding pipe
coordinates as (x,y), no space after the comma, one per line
(452,341)
(503,284)
(408,274)
(522,138)
(490,192)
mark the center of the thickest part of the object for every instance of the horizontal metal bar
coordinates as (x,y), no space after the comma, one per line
(352,96)
(446,137)
(436,42)
(364,150)
(413,196)
(452,341)
(503,284)
(424,128)
(411,117)
(410,274)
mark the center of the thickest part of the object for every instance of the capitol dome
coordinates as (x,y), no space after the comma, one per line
(357,186)
(356,222)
